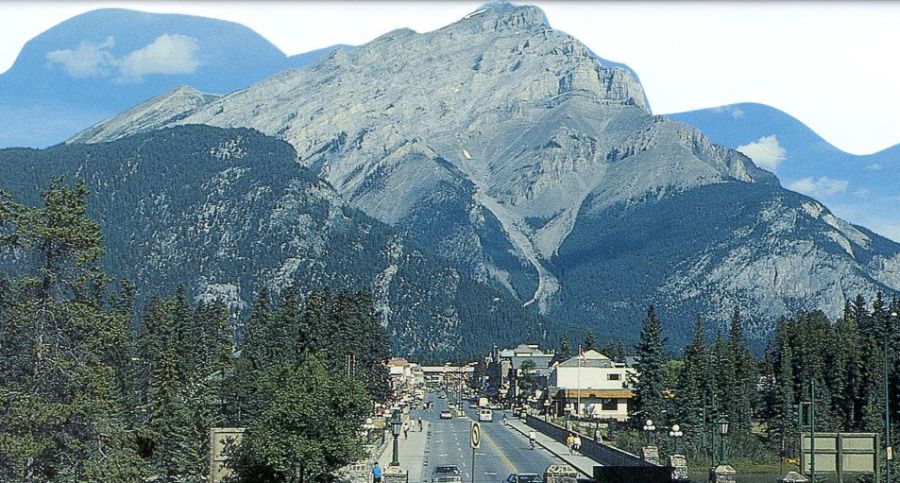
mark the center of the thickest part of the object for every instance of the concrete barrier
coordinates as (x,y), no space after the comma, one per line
(605,454)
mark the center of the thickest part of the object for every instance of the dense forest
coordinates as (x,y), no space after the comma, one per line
(842,360)
(90,392)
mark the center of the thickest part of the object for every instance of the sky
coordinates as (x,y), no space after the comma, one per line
(832,65)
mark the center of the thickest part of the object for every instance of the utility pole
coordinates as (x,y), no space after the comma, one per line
(812,429)
(888,451)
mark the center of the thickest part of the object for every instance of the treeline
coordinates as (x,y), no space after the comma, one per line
(88,393)
(843,359)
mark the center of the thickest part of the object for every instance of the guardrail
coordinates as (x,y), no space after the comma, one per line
(605,454)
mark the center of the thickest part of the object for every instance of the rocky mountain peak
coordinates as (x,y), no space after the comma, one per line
(498,15)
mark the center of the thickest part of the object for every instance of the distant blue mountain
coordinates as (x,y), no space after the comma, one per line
(99,63)
(861,189)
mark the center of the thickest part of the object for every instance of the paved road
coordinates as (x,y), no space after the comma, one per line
(503,451)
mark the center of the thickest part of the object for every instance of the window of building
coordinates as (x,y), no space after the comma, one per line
(614,377)
(609,404)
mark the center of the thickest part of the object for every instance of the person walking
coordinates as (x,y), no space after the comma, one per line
(570,442)
(577,444)
(406,430)
(531,437)
(421,428)
(376,473)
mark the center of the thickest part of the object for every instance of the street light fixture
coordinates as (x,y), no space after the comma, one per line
(596,415)
(396,427)
(722,423)
(676,433)
(648,429)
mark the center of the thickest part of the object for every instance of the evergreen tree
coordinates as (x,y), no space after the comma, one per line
(649,400)
(307,426)
(741,376)
(692,387)
(588,341)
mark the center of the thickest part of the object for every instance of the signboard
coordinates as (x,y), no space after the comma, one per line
(840,453)
(222,442)
(475,435)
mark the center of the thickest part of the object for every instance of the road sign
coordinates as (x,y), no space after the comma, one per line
(475,435)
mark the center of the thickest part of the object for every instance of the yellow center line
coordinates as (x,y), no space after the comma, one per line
(503,457)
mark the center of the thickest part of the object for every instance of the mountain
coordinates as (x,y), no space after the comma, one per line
(224,212)
(509,147)
(101,62)
(861,189)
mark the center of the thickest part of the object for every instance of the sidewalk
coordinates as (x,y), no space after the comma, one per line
(581,463)
(412,452)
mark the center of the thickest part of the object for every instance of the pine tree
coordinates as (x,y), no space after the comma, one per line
(742,376)
(588,341)
(649,400)
(691,393)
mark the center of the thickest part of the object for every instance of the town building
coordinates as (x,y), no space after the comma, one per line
(506,372)
(591,385)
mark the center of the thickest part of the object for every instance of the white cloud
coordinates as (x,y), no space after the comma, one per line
(766,152)
(873,167)
(736,113)
(168,54)
(821,187)
(89,59)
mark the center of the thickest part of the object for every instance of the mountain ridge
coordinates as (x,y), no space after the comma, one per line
(493,140)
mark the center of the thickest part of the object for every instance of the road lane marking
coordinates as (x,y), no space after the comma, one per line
(500,452)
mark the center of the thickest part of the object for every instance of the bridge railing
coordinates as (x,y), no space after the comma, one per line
(607,455)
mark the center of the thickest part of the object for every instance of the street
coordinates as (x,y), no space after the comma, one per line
(503,450)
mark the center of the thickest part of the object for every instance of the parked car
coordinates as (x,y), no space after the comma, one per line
(524,478)
(446,414)
(446,474)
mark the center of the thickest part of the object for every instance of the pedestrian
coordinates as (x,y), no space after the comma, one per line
(405,430)
(531,438)
(570,442)
(577,444)
(420,424)
(376,473)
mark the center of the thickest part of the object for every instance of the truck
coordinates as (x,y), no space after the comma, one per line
(483,402)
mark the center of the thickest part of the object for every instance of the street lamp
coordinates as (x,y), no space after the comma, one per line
(596,415)
(676,433)
(722,424)
(396,427)
(887,400)
(648,429)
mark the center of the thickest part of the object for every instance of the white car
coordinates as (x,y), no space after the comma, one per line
(446,414)
(486,415)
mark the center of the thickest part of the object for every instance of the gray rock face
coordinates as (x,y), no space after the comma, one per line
(491,139)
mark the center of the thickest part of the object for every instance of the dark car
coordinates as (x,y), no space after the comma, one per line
(446,474)
(524,478)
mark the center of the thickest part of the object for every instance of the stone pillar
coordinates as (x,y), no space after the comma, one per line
(650,454)
(393,474)
(793,477)
(722,474)
(678,463)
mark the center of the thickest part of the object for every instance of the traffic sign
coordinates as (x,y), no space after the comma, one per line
(475,435)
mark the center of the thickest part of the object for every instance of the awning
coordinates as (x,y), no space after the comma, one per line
(596,393)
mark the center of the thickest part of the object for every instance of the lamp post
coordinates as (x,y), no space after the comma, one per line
(675,433)
(396,426)
(888,451)
(648,429)
(722,425)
